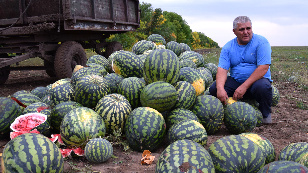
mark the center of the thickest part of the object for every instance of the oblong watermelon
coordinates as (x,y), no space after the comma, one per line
(98,150)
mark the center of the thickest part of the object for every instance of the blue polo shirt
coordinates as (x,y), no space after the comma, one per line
(242,60)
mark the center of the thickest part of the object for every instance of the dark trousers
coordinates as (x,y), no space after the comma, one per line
(261,91)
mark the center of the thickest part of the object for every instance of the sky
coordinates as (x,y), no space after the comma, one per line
(282,22)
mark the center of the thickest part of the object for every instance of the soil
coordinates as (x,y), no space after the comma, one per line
(290,126)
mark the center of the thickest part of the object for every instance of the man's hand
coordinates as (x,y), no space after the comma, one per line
(239,92)
(222,96)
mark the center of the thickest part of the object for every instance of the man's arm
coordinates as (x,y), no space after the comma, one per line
(221,77)
(259,72)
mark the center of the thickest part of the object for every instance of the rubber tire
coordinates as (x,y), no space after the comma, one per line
(68,55)
(4,74)
(112,47)
(49,68)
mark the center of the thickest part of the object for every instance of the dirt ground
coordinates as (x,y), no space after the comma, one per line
(290,125)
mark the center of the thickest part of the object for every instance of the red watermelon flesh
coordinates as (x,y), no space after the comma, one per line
(28,121)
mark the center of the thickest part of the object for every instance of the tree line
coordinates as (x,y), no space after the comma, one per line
(170,25)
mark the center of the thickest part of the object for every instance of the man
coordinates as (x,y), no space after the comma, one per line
(248,56)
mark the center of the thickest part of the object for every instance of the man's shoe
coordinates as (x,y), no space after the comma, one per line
(267,120)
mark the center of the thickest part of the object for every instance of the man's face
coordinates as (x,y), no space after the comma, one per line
(243,33)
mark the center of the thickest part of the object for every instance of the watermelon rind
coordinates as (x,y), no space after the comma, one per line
(283,166)
(98,150)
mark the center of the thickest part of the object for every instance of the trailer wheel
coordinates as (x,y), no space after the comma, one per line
(49,68)
(68,55)
(112,47)
(4,74)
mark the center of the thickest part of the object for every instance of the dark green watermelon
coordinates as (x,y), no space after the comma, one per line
(210,111)
(187,63)
(184,156)
(100,60)
(142,46)
(196,57)
(144,129)
(159,95)
(157,39)
(174,47)
(297,152)
(236,153)
(161,65)
(87,71)
(194,77)
(113,81)
(62,93)
(276,96)
(40,91)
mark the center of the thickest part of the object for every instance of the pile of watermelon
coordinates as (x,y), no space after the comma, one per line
(155,94)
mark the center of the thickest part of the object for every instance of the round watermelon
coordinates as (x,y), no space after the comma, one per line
(127,64)
(184,156)
(142,46)
(144,129)
(31,152)
(179,114)
(174,47)
(157,39)
(236,153)
(297,152)
(113,81)
(90,89)
(159,95)
(186,95)
(194,77)
(114,108)
(283,166)
(196,57)
(240,117)
(187,129)
(81,125)
(266,145)
(210,111)
(62,93)
(40,91)
(100,60)
(161,65)
(59,111)
(131,88)
(98,150)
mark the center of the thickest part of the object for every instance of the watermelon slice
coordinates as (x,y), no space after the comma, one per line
(26,124)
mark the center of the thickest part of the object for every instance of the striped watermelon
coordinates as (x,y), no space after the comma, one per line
(207,76)
(196,57)
(100,60)
(131,88)
(59,111)
(159,95)
(284,166)
(187,63)
(81,125)
(161,65)
(113,81)
(142,46)
(186,95)
(184,156)
(179,114)
(266,145)
(236,153)
(185,47)
(194,77)
(187,129)
(24,99)
(127,64)
(114,108)
(213,68)
(240,117)
(276,96)
(86,71)
(90,89)
(98,150)
(210,111)
(40,91)
(144,129)
(174,47)
(157,39)
(38,107)
(297,152)
(9,110)
(31,152)
(62,93)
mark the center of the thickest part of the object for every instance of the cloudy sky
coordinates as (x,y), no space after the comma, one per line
(282,22)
